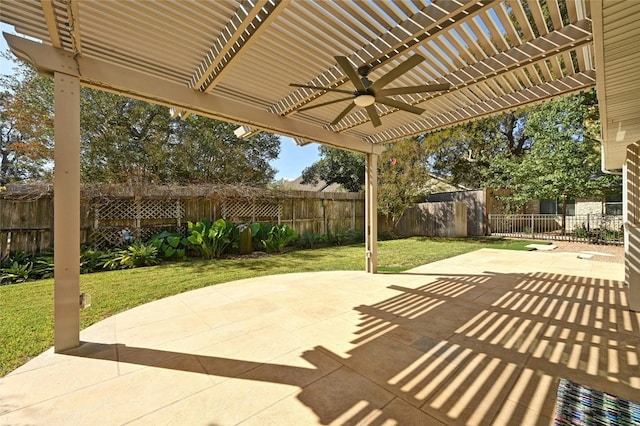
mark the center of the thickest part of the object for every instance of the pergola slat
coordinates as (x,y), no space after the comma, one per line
(535,53)
(496,35)
(507,24)
(554,13)
(521,18)
(538,17)
(430,20)
(525,97)
(230,35)
(52,22)
(473,45)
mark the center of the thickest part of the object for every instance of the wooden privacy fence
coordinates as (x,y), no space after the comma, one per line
(26,225)
(477,202)
(437,219)
(26,213)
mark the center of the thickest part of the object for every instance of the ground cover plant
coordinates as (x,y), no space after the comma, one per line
(26,309)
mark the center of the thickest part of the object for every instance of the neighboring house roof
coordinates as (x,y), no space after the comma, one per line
(437,185)
(434,185)
(321,186)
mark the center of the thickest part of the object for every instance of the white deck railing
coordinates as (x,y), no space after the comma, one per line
(592,228)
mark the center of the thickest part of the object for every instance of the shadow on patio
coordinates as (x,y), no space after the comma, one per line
(414,348)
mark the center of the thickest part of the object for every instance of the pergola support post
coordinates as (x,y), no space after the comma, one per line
(66,212)
(632,225)
(371,213)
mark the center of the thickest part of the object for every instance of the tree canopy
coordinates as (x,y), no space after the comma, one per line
(125,140)
(548,151)
(463,154)
(26,125)
(403,178)
(564,161)
(337,166)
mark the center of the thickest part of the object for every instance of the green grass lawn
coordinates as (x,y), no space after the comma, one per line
(26,310)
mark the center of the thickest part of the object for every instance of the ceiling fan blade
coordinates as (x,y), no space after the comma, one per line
(413,89)
(397,72)
(343,113)
(351,72)
(400,105)
(328,89)
(325,103)
(373,115)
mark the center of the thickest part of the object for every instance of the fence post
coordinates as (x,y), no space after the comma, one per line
(293,214)
(353,214)
(532,231)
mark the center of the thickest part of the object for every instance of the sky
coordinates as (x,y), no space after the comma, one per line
(290,163)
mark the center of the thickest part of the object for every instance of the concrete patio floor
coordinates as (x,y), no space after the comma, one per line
(481,338)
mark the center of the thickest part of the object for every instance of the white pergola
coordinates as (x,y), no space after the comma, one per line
(233,60)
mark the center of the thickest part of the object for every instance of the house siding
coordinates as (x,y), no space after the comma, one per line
(588,207)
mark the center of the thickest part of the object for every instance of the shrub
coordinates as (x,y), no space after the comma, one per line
(20,267)
(258,234)
(16,272)
(136,255)
(170,245)
(212,240)
(341,238)
(310,239)
(42,267)
(386,235)
(92,259)
(608,235)
(278,236)
(581,232)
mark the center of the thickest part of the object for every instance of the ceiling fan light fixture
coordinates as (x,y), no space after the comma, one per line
(364,100)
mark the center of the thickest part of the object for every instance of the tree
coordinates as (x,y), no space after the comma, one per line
(464,154)
(564,160)
(337,166)
(26,124)
(403,178)
(124,140)
(207,151)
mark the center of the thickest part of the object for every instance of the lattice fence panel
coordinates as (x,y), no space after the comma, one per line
(116,209)
(250,210)
(106,237)
(130,213)
(140,209)
(155,209)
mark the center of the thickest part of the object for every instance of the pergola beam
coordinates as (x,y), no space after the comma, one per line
(229,36)
(73,25)
(113,78)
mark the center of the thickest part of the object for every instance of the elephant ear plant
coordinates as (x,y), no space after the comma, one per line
(212,239)
(170,245)
(278,237)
